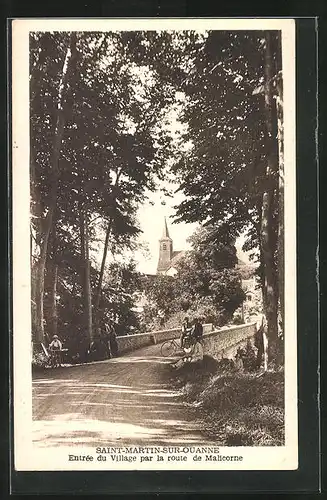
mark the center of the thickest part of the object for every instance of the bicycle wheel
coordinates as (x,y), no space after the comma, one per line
(168,348)
(50,362)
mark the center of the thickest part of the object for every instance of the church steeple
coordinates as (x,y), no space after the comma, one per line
(165,233)
(165,250)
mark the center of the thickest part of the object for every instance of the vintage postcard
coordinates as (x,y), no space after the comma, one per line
(154,244)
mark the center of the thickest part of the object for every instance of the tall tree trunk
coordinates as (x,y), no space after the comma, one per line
(103,265)
(53,303)
(268,240)
(103,262)
(281,266)
(86,279)
(53,271)
(47,225)
(88,291)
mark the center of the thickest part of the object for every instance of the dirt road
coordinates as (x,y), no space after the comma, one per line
(126,400)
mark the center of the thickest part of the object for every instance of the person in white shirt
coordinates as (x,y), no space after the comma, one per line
(55,347)
(56,344)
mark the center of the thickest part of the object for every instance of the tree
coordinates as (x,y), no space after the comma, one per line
(108,149)
(86,274)
(270,202)
(161,293)
(232,133)
(207,284)
(121,281)
(207,275)
(61,99)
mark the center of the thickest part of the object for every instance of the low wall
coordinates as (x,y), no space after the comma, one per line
(128,343)
(225,342)
(217,343)
(162,335)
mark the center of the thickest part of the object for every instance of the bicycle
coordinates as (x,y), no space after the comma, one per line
(53,357)
(171,347)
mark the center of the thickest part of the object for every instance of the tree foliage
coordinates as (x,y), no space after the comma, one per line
(207,284)
(101,137)
(110,151)
(230,172)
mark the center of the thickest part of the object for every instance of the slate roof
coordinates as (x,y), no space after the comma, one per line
(177,255)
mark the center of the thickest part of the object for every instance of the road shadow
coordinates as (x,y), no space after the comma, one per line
(126,400)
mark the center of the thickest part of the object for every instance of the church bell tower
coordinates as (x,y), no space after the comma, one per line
(165,250)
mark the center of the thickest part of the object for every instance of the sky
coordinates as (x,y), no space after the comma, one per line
(151,218)
(152,213)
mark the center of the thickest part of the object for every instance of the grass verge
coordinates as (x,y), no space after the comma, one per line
(236,408)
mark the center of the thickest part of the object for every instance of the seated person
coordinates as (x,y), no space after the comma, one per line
(55,347)
(56,344)
(194,355)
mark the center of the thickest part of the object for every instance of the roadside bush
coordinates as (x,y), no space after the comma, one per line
(237,409)
(237,320)
(39,361)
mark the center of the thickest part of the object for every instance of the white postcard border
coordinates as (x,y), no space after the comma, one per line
(26,456)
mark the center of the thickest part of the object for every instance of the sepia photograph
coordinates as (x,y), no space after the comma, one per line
(154,244)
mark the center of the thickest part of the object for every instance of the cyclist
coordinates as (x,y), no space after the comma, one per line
(55,347)
(197,330)
(186,328)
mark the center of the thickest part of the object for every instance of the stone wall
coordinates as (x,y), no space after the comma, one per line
(128,343)
(217,343)
(162,335)
(226,341)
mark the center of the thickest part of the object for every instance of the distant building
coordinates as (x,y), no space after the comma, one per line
(168,258)
(252,304)
(167,266)
(249,287)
